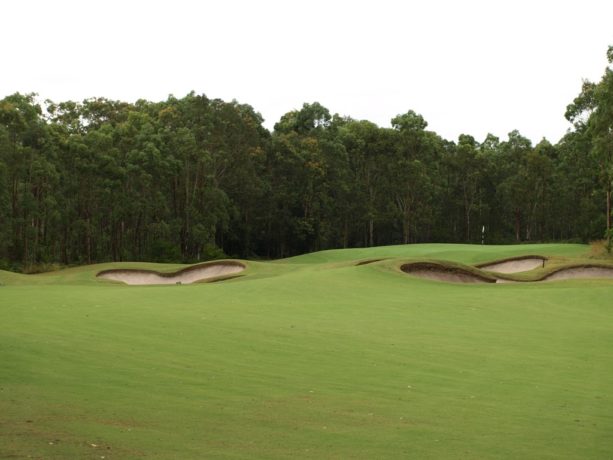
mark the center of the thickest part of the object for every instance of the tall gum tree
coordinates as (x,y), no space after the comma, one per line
(467,165)
(408,172)
(368,148)
(592,110)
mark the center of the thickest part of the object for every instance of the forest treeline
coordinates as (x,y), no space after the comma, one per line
(195,178)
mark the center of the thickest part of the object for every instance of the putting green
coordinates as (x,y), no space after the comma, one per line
(309,357)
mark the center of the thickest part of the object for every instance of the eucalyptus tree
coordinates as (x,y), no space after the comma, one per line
(144,172)
(512,187)
(369,149)
(592,110)
(525,178)
(306,166)
(31,175)
(197,203)
(191,178)
(465,167)
(579,192)
(412,170)
(540,177)
(237,143)
(5,208)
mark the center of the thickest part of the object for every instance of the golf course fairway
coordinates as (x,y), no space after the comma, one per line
(319,356)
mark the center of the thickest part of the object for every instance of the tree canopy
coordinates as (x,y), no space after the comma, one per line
(193,178)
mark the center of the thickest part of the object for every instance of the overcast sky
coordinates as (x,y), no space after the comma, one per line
(467,66)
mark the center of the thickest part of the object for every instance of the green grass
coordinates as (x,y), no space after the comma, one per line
(454,252)
(310,357)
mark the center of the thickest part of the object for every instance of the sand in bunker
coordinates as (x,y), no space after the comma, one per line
(441,273)
(186,276)
(514,266)
(580,273)
(448,277)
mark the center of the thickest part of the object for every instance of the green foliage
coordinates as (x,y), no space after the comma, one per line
(163,250)
(212,252)
(105,180)
(592,114)
(41,268)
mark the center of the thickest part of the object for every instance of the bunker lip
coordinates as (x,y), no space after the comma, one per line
(447,273)
(514,264)
(582,271)
(217,271)
(369,261)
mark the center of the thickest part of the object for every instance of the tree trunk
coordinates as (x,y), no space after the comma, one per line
(36,230)
(247,236)
(609,214)
(406,228)
(121,234)
(88,241)
(65,245)
(467,216)
(517,224)
(26,254)
(544,219)
(468,204)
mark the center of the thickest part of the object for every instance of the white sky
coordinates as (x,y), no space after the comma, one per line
(467,66)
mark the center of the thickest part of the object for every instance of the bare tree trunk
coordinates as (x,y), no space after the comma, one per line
(88,241)
(36,230)
(531,222)
(113,230)
(544,214)
(517,224)
(467,209)
(65,245)
(609,214)
(26,254)
(121,234)
(404,206)
(406,228)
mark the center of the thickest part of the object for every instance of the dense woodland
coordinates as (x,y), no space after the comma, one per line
(195,178)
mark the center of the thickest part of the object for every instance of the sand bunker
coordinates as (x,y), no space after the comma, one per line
(570,273)
(515,265)
(573,273)
(457,274)
(440,272)
(185,276)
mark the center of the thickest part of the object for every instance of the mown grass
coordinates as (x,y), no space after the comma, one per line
(469,254)
(311,358)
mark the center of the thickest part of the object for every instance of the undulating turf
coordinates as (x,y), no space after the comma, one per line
(309,357)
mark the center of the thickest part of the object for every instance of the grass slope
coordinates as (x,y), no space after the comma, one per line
(465,253)
(308,358)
